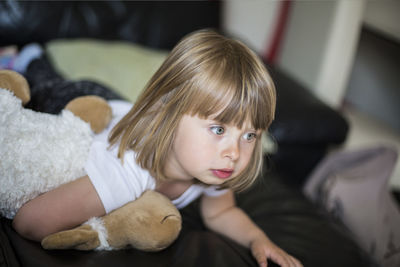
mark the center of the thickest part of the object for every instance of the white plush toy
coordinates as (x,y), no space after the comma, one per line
(40,151)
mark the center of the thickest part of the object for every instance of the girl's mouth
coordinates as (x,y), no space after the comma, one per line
(222,173)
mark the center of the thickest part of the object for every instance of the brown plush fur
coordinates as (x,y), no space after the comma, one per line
(16,83)
(92,109)
(150,223)
(83,238)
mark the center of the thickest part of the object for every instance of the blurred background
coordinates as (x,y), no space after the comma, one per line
(347,52)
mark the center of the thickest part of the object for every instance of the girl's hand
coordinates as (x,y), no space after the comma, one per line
(262,249)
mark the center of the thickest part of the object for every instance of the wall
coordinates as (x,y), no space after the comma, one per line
(374,83)
(383,16)
(373,86)
(251,21)
(320,44)
(306,38)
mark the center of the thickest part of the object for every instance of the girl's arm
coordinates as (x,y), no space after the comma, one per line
(221,215)
(60,209)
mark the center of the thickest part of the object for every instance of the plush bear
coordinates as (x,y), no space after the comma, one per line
(41,151)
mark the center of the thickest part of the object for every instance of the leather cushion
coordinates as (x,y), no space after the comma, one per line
(282,212)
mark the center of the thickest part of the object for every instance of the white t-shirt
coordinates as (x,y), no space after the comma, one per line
(117,183)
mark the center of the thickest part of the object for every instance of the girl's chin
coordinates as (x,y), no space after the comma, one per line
(213,181)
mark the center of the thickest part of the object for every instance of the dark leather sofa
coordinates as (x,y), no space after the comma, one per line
(304,129)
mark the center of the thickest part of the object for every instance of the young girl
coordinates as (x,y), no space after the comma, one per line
(194,131)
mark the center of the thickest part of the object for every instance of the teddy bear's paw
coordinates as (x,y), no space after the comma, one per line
(149,223)
(80,238)
(16,83)
(92,109)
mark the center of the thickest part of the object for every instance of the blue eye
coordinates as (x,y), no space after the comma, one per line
(218,130)
(249,136)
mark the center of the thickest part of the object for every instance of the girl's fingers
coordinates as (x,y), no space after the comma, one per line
(281,259)
(260,257)
(294,262)
(278,256)
(297,263)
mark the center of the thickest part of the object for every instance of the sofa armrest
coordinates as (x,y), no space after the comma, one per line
(301,118)
(304,128)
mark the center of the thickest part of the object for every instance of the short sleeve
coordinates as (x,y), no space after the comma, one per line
(116,183)
(119,110)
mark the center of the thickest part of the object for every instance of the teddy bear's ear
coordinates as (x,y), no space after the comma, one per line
(80,238)
(16,83)
(92,109)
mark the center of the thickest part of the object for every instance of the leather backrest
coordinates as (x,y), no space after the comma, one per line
(158,24)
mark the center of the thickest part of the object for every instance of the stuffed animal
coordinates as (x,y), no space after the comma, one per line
(41,151)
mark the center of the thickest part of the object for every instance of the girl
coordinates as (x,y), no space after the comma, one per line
(194,131)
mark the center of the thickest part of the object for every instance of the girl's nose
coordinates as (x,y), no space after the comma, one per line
(232,150)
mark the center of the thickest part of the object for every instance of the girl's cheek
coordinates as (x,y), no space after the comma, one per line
(248,152)
(214,140)
(247,148)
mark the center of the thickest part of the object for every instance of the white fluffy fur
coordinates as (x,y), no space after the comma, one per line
(97,224)
(38,152)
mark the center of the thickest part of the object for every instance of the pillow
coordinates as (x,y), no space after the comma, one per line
(124,67)
(353,186)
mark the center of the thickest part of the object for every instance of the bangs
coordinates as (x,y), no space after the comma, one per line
(232,97)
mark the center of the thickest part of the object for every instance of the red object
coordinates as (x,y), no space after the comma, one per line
(272,53)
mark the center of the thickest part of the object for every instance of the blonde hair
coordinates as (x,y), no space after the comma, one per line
(204,74)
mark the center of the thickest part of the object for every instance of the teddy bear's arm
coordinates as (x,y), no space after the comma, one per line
(149,223)
(83,237)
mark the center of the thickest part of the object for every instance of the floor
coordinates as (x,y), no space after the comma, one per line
(367,131)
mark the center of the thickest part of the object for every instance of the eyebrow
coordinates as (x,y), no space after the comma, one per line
(251,128)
